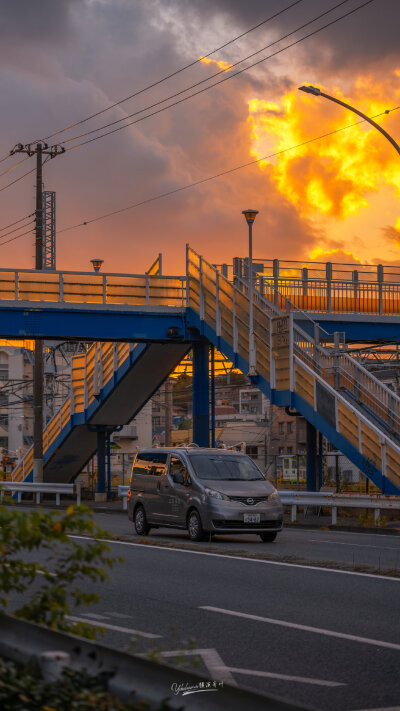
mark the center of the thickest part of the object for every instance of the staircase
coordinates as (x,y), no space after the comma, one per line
(357,413)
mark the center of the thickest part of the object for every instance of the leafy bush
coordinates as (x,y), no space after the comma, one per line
(64,566)
(22,688)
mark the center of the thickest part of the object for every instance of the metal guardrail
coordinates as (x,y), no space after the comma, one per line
(24,487)
(320,498)
(326,499)
(131,678)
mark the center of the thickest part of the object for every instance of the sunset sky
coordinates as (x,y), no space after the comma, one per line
(336,198)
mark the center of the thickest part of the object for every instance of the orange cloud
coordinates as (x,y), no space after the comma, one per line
(334,176)
(222,65)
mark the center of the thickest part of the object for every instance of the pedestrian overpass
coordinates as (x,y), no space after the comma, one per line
(143,325)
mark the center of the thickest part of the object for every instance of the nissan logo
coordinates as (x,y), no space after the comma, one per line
(250,501)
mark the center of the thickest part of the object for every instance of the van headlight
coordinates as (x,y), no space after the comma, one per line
(274,496)
(215,495)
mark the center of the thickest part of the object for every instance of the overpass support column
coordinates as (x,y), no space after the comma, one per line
(311,457)
(101,465)
(201,425)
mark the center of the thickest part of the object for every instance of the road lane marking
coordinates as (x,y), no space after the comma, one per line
(96,616)
(354,545)
(242,558)
(303,628)
(115,628)
(211,659)
(285,677)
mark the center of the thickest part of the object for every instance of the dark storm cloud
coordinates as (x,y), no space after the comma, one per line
(368,36)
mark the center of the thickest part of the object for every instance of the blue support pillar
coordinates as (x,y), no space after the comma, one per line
(101,462)
(201,426)
(212,396)
(311,458)
(320,462)
(108,466)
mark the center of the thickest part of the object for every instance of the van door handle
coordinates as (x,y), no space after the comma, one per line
(158,486)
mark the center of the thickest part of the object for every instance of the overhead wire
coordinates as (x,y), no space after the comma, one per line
(21,219)
(217,83)
(222,173)
(21,227)
(17,236)
(17,180)
(170,76)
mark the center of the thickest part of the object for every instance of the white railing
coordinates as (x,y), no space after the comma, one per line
(23,487)
(334,501)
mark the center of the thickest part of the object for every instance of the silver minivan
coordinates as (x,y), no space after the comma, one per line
(206,491)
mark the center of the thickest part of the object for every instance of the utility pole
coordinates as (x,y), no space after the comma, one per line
(52,151)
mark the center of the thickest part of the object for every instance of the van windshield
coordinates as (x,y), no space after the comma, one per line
(225,467)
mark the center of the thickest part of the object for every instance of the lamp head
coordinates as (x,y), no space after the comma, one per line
(250,215)
(310,90)
(97,264)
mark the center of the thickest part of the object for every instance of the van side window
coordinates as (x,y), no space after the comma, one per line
(177,470)
(149,463)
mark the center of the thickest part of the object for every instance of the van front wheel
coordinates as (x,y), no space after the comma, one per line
(268,537)
(194,526)
(142,528)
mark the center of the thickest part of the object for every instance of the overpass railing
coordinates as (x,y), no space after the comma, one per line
(149,289)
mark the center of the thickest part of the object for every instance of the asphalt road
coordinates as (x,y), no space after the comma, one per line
(378,551)
(324,638)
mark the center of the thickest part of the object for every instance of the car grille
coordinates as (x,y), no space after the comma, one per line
(229,523)
(249,500)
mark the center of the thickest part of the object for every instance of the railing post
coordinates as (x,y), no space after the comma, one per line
(96,370)
(60,418)
(201,289)
(115,357)
(101,365)
(72,403)
(379,270)
(328,287)
(104,289)
(336,357)
(60,287)
(304,278)
(16,286)
(147,290)
(159,264)
(224,270)
(187,277)
(355,282)
(234,327)
(217,310)
(85,389)
(275,272)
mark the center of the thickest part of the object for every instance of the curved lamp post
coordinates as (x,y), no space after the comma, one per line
(250,216)
(317,92)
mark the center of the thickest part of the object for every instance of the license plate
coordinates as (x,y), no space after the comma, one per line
(251,518)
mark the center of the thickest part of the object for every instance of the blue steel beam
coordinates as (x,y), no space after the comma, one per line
(361,328)
(90,322)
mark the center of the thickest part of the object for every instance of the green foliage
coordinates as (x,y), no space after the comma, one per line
(185,424)
(37,546)
(22,688)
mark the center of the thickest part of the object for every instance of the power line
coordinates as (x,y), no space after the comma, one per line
(222,173)
(16,229)
(170,76)
(17,180)
(13,166)
(29,232)
(16,222)
(221,81)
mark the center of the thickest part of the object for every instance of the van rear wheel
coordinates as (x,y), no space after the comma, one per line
(268,537)
(194,526)
(142,528)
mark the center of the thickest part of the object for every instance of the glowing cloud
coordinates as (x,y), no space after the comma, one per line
(334,176)
(222,65)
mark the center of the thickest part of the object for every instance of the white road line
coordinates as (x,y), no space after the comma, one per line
(382,708)
(354,545)
(115,628)
(211,659)
(243,558)
(303,628)
(285,677)
(96,616)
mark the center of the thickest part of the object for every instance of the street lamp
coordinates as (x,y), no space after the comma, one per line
(250,216)
(317,92)
(97,264)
